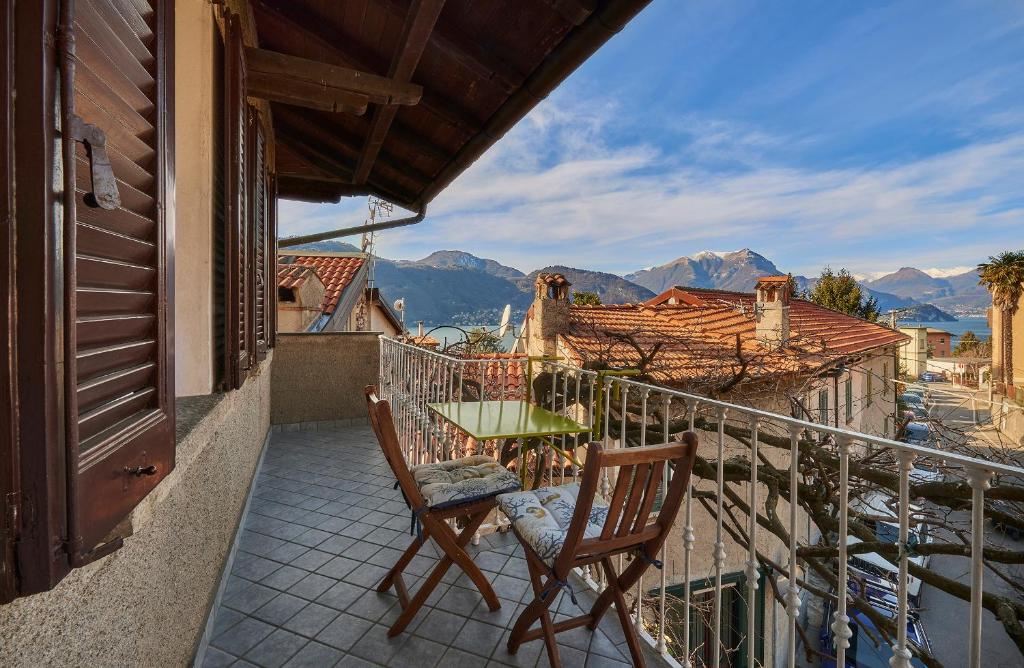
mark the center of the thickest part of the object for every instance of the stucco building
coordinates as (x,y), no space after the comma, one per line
(999,360)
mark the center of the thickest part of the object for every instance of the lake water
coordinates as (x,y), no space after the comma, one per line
(977,325)
(453,334)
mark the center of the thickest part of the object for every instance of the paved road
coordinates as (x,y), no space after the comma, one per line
(961,422)
(947,619)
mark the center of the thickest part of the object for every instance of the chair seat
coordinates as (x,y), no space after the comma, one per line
(463,480)
(542,517)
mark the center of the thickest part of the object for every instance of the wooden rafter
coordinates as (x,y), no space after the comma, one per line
(290,90)
(419,23)
(467,50)
(379,90)
(340,140)
(300,24)
(573,11)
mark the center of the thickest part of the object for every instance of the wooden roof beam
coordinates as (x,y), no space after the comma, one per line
(573,11)
(343,141)
(302,24)
(466,50)
(419,23)
(290,90)
(379,90)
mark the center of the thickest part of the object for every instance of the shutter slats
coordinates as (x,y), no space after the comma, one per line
(98,272)
(104,330)
(121,412)
(135,118)
(97,361)
(99,300)
(112,385)
(119,139)
(133,200)
(126,44)
(98,242)
(91,55)
(116,57)
(112,413)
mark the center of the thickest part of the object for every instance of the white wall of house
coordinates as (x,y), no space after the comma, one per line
(193,231)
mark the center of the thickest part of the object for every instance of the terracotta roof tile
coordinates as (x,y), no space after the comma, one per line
(696,338)
(336,272)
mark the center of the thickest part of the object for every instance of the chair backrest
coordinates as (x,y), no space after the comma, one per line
(628,525)
(384,427)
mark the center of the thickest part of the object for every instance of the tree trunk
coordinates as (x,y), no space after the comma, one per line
(1007,323)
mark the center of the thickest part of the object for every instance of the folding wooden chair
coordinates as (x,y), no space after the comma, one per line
(437,492)
(567,526)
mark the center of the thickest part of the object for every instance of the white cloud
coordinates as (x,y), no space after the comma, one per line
(555,191)
(935,272)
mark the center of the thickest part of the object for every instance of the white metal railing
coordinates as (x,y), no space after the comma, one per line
(623,411)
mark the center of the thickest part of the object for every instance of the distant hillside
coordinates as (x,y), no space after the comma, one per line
(959,293)
(738,270)
(452,258)
(451,295)
(610,288)
(926,313)
(326,247)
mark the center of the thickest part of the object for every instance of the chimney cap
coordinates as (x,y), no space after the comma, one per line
(557,280)
(773,279)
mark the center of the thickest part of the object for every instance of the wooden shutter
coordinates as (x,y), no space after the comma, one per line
(272,260)
(119,399)
(258,183)
(236,238)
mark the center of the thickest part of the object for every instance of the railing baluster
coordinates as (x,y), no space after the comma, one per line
(661,646)
(980,480)
(752,570)
(793,591)
(689,541)
(719,551)
(900,653)
(841,623)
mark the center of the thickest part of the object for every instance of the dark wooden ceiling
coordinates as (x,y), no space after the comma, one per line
(482,66)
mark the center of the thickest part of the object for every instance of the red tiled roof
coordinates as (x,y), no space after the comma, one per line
(292,276)
(696,338)
(336,272)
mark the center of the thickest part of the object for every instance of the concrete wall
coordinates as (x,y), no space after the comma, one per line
(193,230)
(320,377)
(145,605)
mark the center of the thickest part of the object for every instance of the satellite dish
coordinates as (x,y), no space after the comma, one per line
(506,315)
(400,304)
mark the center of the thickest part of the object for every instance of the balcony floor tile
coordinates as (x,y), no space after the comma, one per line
(323,526)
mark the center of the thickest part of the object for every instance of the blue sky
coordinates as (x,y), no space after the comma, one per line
(866,135)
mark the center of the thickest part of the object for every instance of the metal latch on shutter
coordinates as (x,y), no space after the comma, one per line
(104,193)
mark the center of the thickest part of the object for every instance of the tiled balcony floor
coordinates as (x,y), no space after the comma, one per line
(323,527)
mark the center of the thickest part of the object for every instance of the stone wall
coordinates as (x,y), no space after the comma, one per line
(320,377)
(146,604)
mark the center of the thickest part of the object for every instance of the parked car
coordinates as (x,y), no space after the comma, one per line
(919,433)
(912,399)
(916,412)
(931,377)
(867,647)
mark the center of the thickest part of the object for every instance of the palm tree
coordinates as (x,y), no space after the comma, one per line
(1003,275)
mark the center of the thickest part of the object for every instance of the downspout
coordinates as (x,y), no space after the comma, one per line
(289,242)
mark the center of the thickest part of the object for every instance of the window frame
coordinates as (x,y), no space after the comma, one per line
(848,397)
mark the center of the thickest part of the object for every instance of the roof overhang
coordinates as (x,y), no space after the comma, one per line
(396,98)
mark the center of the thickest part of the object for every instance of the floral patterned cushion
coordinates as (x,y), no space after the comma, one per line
(542,517)
(463,480)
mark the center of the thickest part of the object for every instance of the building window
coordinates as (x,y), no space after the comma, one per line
(823,406)
(885,378)
(867,390)
(735,611)
(886,433)
(849,399)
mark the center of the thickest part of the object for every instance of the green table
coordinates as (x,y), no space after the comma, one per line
(511,421)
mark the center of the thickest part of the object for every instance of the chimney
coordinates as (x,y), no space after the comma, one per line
(771,313)
(550,314)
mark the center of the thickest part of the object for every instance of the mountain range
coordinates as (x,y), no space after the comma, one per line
(456,287)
